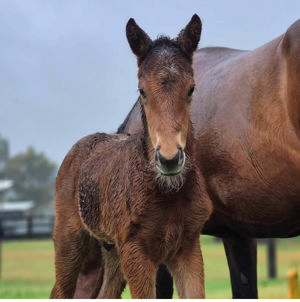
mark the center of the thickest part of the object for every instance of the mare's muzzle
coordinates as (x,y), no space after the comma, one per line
(171,166)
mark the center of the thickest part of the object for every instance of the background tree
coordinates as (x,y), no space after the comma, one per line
(33,175)
(4,155)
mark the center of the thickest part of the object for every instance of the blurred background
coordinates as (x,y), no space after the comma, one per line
(66,71)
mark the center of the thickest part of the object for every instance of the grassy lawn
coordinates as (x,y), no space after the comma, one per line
(28,270)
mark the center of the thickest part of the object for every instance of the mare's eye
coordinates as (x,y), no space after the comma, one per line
(142,93)
(191,91)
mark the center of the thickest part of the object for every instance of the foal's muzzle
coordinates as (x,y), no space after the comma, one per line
(171,166)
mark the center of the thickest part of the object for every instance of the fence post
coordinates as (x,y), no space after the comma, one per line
(271,258)
(293,292)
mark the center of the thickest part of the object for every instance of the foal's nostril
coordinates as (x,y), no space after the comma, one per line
(169,164)
(173,165)
(157,155)
(180,155)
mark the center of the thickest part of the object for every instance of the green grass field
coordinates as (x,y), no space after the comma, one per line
(28,270)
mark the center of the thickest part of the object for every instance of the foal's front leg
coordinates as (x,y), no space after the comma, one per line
(139,271)
(187,270)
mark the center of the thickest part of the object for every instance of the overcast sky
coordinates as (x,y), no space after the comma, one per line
(66,69)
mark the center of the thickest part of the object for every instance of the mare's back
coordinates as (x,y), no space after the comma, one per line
(226,80)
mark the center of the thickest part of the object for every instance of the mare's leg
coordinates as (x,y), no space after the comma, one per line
(91,274)
(70,248)
(164,283)
(113,279)
(139,270)
(186,268)
(241,255)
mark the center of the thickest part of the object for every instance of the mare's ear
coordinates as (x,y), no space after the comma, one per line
(189,37)
(138,40)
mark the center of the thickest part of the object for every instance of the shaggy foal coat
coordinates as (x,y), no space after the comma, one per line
(121,203)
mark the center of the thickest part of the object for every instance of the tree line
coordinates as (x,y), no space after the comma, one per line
(32,173)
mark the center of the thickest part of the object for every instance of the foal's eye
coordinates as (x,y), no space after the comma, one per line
(142,93)
(191,91)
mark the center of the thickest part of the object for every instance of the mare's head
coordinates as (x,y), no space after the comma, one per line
(166,86)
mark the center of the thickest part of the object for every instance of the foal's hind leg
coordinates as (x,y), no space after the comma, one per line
(241,257)
(91,274)
(113,279)
(70,248)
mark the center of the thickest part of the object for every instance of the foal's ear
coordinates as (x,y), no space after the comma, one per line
(138,40)
(189,37)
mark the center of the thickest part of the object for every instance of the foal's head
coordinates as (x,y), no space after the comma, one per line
(166,86)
